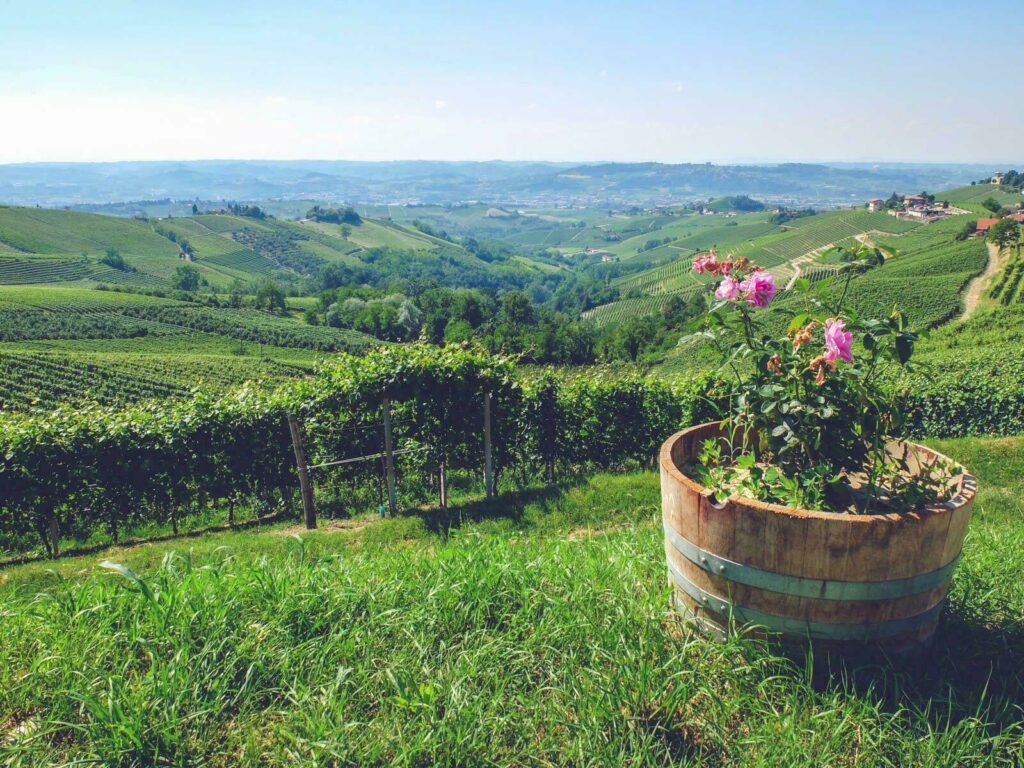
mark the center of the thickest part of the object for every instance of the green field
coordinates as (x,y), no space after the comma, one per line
(534,630)
(61,344)
(39,246)
(65,341)
(979,192)
(751,236)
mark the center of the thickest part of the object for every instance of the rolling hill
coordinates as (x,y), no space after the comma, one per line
(39,245)
(500,183)
(788,250)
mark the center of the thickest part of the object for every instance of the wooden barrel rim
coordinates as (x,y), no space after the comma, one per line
(967,489)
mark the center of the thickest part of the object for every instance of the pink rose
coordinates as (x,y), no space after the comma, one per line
(758,289)
(838,343)
(728,289)
(705,263)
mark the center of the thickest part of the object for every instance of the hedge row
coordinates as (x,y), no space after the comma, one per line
(88,467)
(83,468)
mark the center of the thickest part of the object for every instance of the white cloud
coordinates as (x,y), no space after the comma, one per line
(440,104)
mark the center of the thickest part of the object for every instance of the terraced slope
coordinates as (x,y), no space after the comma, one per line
(48,379)
(73,344)
(39,246)
(781,249)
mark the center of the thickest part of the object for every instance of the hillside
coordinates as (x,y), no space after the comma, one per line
(789,250)
(70,345)
(501,183)
(90,308)
(54,246)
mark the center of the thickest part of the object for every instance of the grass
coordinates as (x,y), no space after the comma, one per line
(533,630)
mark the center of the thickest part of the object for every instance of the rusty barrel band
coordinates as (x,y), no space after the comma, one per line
(800,586)
(819,630)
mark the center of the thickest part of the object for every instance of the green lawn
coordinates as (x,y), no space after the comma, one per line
(531,631)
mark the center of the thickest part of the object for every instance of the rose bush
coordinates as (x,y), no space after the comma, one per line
(809,423)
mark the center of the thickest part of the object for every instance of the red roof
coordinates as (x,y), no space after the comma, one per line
(1018,217)
(984,224)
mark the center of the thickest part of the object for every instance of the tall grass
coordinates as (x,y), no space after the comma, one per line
(534,630)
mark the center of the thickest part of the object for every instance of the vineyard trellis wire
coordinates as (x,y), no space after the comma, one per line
(92,467)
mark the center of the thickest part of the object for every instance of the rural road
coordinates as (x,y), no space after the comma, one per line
(978,284)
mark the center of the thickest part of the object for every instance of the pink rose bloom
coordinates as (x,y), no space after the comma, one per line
(725,267)
(838,343)
(758,289)
(728,289)
(707,262)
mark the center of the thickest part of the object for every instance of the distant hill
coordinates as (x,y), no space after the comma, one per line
(498,183)
(735,203)
(39,245)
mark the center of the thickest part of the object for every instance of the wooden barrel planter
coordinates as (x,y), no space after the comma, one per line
(830,579)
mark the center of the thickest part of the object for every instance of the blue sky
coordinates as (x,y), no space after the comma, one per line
(686,81)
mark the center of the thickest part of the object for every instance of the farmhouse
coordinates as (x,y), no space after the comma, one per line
(1018,217)
(997,177)
(914,201)
(984,225)
(876,204)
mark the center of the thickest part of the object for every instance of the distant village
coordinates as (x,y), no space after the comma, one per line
(924,207)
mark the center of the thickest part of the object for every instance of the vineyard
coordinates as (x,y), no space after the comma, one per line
(814,232)
(80,345)
(24,270)
(768,245)
(46,380)
(241,260)
(119,468)
(1007,287)
(54,313)
(618,311)
(45,246)
(92,467)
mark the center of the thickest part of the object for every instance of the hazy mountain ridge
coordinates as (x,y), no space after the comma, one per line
(60,184)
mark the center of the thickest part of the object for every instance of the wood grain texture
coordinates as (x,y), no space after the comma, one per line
(809,544)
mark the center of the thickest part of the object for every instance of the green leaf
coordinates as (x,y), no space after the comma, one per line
(797,322)
(904,348)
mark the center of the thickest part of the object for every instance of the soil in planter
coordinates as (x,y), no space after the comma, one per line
(917,485)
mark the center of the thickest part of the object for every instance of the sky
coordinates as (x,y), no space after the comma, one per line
(722,82)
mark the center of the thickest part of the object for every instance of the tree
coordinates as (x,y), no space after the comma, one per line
(271,298)
(186,278)
(114,259)
(516,310)
(1004,232)
(195,209)
(235,293)
(633,335)
(991,204)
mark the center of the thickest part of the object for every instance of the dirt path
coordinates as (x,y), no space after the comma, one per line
(978,284)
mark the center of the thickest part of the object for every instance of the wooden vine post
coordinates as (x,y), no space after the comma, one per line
(389,457)
(309,513)
(488,461)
